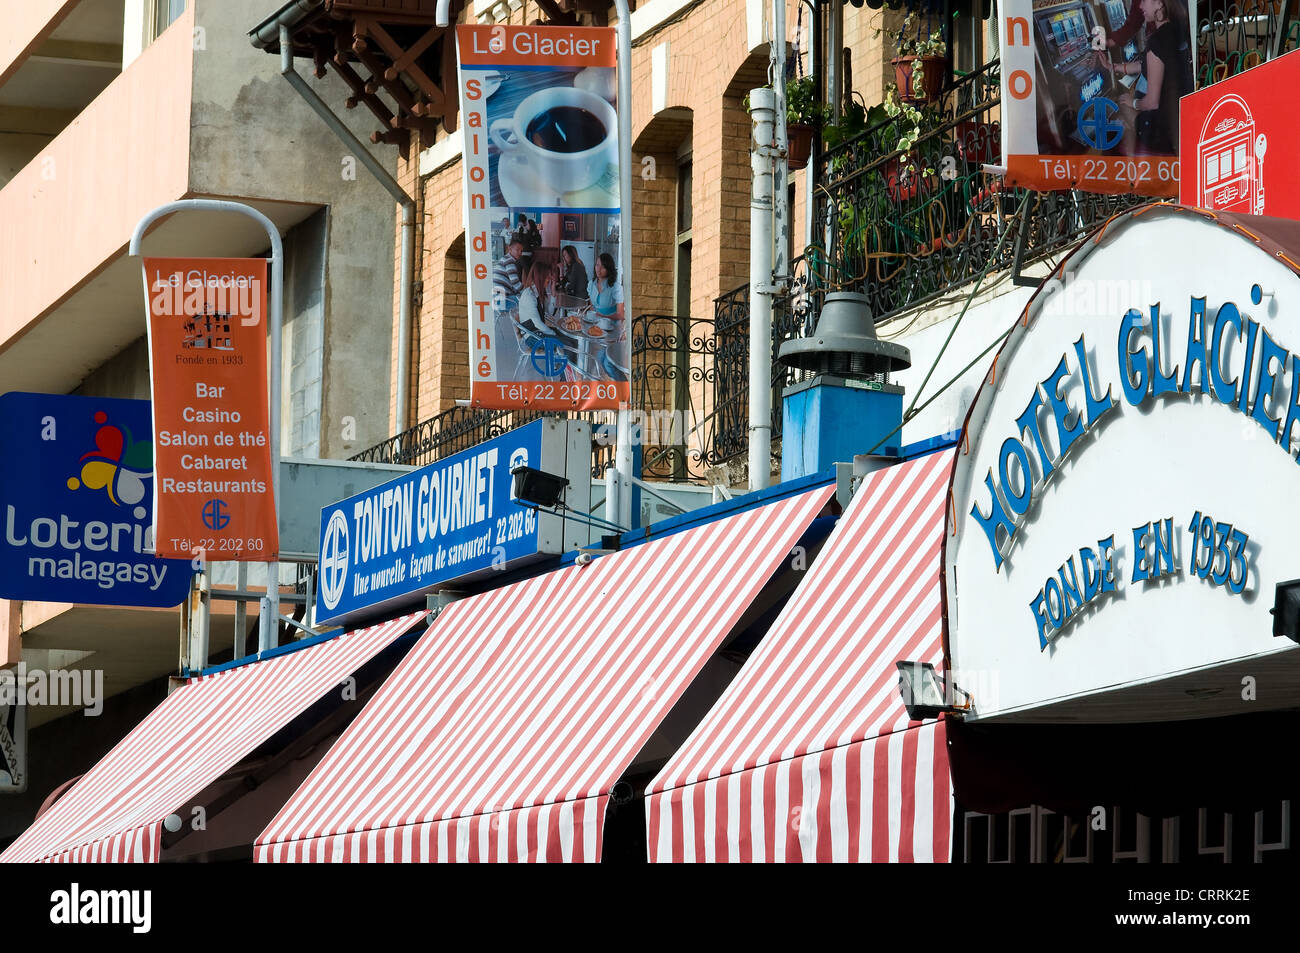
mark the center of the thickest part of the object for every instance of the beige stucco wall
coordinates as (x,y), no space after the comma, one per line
(252,136)
(136,132)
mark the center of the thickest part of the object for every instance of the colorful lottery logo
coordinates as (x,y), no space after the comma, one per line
(119,465)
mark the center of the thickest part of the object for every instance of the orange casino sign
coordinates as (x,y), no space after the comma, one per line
(548,326)
(207,350)
(1078,111)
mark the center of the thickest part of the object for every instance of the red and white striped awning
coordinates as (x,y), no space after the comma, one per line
(501,734)
(205,727)
(809,754)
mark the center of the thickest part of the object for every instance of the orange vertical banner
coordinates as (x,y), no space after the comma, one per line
(213,488)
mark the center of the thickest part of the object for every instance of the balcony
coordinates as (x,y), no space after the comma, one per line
(689,385)
(903,237)
(905,230)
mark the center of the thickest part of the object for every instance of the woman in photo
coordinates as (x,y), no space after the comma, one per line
(523,235)
(604,290)
(575,279)
(606,296)
(537,301)
(1167,67)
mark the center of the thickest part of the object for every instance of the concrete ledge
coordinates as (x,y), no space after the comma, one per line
(654,14)
(442,153)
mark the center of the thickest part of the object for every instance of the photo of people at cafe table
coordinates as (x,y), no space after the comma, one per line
(557,298)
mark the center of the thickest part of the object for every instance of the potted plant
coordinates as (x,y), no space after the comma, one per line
(921,62)
(854,120)
(805,113)
(903,172)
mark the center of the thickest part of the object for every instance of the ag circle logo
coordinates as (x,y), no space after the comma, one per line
(334,560)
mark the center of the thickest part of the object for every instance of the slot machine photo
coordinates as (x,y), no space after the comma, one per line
(1069,73)
(1230,159)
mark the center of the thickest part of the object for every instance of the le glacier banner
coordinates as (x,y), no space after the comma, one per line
(548,326)
(76,497)
(207,351)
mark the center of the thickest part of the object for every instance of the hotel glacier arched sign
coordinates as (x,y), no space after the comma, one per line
(1126,496)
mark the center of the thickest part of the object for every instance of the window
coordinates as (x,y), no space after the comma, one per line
(682,298)
(159,15)
(971,37)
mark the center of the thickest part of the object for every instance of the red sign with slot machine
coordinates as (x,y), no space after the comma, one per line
(1227,131)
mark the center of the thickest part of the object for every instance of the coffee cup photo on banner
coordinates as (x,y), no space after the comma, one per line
(542,212)
(213,488)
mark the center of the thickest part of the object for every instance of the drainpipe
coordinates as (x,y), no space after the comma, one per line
(780,162)
(761,107)
(407,203)
(834,58)
(810,176)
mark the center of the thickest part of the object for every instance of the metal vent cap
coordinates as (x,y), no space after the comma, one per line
(845,342)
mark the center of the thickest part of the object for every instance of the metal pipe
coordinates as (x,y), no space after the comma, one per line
(810,174)
(201,629)
(761,107)
(241,614)
(269,612)
(376,168)
(404,319)
(780,160)
(834,57)
(623,449)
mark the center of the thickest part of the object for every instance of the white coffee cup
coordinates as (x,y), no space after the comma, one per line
(562,171)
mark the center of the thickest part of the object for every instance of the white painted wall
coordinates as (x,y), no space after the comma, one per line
(924,332)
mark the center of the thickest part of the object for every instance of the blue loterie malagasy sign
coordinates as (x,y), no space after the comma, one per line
(453,521)
(76,501)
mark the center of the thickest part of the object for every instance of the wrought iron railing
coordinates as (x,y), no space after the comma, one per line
(906,228)
(674,393)
(731,397)
(460,428)
(1234,35)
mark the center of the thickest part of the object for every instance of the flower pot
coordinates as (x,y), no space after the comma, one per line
(903,182)
(799,139)
(979,143)
(931,69)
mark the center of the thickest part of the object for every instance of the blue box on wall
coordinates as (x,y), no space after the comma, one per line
(830,420)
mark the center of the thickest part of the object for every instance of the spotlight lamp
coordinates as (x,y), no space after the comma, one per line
(927,695)
(1286,610)
(539,490)
(538,487)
